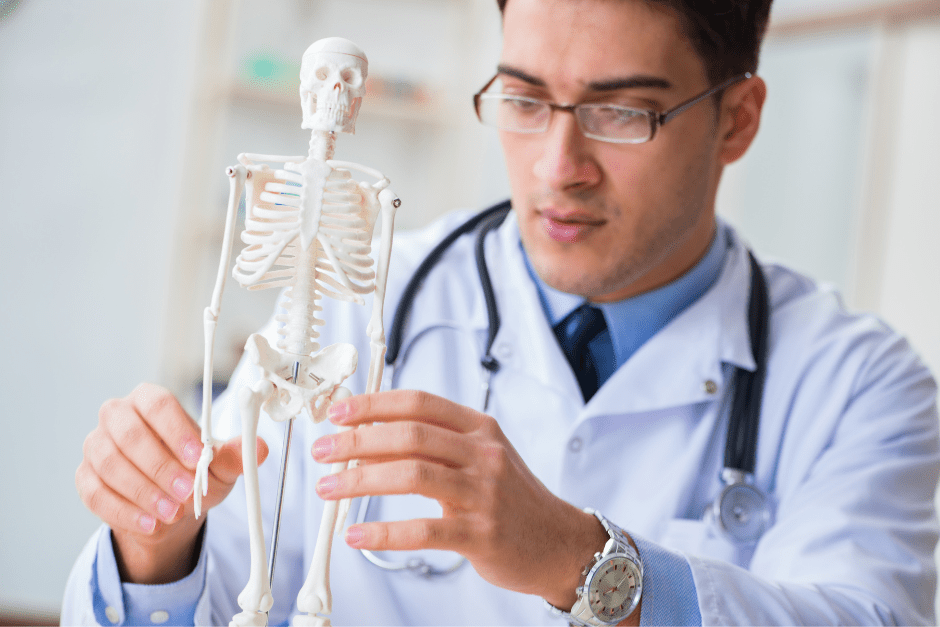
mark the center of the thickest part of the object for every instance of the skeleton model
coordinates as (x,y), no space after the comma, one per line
(309,228)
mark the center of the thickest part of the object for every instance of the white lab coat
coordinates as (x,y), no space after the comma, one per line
(848,452)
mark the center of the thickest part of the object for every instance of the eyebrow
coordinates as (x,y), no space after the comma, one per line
(638,81)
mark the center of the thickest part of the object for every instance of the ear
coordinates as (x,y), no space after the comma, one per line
(740,118)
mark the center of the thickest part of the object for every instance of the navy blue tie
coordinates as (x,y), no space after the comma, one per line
(575,333)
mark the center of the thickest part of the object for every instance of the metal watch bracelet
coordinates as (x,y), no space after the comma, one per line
(580,614)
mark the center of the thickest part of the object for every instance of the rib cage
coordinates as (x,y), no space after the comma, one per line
(337,263)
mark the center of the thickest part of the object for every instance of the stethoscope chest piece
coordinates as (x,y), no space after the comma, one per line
(741,512)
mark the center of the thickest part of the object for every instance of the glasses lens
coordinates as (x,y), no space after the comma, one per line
(512,113)
(616,124)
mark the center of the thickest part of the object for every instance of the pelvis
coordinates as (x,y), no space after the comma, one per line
(318,376)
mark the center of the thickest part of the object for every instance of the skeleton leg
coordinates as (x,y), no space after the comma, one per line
(315,597)
(256,598)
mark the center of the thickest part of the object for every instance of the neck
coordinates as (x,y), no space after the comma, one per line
(322,144)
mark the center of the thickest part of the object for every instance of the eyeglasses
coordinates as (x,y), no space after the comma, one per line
(604,122)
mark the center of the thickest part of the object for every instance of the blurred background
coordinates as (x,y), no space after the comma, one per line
(118,118)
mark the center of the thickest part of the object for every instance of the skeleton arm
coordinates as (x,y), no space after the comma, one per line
(376,330)
(237,176)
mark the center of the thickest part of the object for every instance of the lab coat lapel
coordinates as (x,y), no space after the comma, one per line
(682,364)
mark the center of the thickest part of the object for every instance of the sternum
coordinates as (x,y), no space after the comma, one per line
(299,332)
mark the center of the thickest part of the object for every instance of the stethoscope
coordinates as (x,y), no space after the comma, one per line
(741,513)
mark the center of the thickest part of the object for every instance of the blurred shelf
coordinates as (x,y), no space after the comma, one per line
(394,100)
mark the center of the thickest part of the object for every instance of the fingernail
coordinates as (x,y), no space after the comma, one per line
(191,452)
(327,484)
(183,487)
(167,509)
(147,523)
(339,413)
(354,536)
(323,447)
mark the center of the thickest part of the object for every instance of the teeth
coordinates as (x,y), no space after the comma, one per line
(335,113)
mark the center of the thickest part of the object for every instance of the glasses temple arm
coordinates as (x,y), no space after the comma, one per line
(665,116)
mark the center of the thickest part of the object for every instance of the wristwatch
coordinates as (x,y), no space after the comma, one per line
(613,582)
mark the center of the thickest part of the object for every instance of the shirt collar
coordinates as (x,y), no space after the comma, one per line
(635,320)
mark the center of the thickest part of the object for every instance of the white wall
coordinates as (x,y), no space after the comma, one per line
(94,98)
(910,277)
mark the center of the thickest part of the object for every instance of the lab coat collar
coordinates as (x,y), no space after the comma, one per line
(672,369)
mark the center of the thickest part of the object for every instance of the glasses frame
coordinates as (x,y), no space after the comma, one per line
(656,118)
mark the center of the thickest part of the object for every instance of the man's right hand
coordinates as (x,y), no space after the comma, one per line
(137,476)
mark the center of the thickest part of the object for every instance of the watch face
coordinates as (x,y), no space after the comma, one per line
(613,588)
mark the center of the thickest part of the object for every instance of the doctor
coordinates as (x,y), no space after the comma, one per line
(615,208)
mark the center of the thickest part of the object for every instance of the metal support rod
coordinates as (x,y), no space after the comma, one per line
(275,531)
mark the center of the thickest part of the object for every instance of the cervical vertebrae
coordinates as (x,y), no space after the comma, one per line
(309,228)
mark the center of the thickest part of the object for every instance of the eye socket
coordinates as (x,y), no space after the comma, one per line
(348,75)
(322,73)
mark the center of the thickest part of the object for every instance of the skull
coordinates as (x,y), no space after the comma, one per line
(332,83)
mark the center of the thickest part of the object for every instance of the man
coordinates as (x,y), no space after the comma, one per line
(847,449)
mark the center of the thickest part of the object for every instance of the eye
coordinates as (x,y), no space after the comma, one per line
(521,106)
(616,116)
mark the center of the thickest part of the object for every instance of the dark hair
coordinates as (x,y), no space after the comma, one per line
(726,34)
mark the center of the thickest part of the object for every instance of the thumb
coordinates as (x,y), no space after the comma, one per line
(227,462)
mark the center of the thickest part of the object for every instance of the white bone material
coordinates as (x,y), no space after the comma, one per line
(308,229)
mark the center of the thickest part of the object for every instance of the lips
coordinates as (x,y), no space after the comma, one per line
(568,226)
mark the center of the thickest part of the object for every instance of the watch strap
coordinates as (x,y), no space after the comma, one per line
(581,614)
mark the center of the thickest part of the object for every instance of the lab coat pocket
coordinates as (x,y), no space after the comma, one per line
(702,539)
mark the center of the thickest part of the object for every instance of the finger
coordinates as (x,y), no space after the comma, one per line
(408,476)
(137,441)
(113,509)
(409,535)
(169,421)
(227,466)
(126,480)
(397,405)
(387,441)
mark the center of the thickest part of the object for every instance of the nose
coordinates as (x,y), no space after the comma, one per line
(566,163)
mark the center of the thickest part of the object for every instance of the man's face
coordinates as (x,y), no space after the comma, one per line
(603,220)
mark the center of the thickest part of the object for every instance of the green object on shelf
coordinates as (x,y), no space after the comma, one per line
(270,71)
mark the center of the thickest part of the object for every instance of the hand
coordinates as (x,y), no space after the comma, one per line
(512,529)
(137,476)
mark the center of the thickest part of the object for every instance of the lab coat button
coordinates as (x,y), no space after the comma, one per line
(159,617)
(710,386)
(113,615)
(575,444)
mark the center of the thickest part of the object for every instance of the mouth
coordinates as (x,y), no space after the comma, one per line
(334,113)
(568,226)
